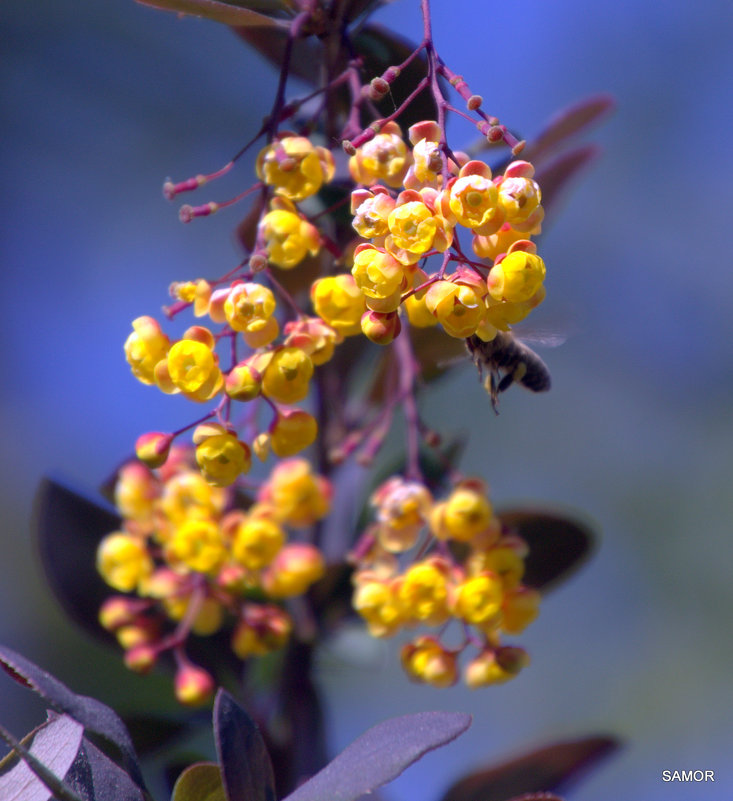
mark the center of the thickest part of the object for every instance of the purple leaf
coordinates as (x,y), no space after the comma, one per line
(245,764)
(544,769)
(380,755)
(68,527)
(101,723)
(95,777)
(558,543)
(54,748)
(555,176)
(566,124)
(224,12)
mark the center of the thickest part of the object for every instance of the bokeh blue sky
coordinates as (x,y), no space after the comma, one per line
(103,100)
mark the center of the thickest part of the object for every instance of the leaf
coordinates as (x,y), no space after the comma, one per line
(307,54)
(55,746)
(201,782)
(566,124)
(380,755)
(101,723)
(540,770)
(226,13)
(97,778)
(558,543)
(67,528)
(245,764)
(555,176)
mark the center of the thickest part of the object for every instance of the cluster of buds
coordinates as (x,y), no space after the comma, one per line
(425,563)
(437,195)
(191,563)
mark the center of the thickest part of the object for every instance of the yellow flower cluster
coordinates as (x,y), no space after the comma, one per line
(467,569)
(501,213)
(190,557)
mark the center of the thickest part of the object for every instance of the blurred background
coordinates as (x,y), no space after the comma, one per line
(103,101)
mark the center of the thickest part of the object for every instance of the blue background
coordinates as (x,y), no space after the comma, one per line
(103,101)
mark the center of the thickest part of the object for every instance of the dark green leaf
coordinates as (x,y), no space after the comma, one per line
(532,773)
(68,527)
(380,755)
(558,543)
(224,12)
(44,764)
(245,764)
(102,724)
(200,782)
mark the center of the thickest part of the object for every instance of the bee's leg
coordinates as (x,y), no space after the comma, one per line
(515,376)
(492,390)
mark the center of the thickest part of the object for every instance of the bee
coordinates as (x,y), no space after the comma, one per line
(507,361)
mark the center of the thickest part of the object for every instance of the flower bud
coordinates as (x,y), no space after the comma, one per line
(194,686)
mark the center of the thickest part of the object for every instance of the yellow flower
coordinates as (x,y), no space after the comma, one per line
(423,592)
(293,570)
(257,542)
(521,607)
(191,365)
(249,306)
(295,167)
(297,496)
(478,600)
(314,336)
(222,458)
(473,199)
(519,195)
(378,603)
(426,660)
(145,347)
(123,561)
(198,545)
(263,628)
(458,307)
(517,277)
(288,236)
(466,514)
(339,301)
(293,431)
(287,375)
(382,158)
(380,277)
(188,495)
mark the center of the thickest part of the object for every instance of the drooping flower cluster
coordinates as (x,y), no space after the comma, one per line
(426,563)
(193,558)
(501,214)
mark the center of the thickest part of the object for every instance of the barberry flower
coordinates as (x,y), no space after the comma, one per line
(153,447)
(123,561)
(197,545)
(295,167)
(380,277)
(263,628)
(381,327)
(295,568)
(249,308)
(314,336)
(287,375)
(519,195)
(383,158)
(298,497)
(402,508)
(288,236)
(457,305)
(518,276)
(473,200)
(423,591)
(416,227)
(221,457)
(292,431)
(378,602)
(478,600)
(426,660)
(193,685)
(371,209)
(145,347)
(466,514)
(192,368)
(257,542)
(338,301)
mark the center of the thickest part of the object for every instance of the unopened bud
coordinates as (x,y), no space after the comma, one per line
(474,102)
(153,447)
(194,686)
(141,658)
(348,148)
